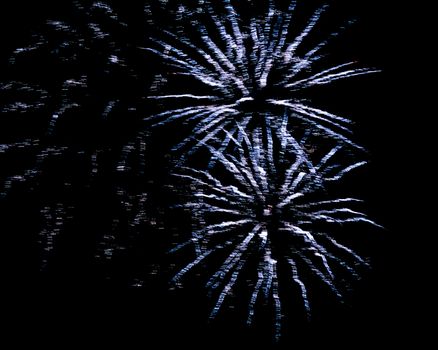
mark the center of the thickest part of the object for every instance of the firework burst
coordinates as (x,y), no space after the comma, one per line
(269,208)
(244,68)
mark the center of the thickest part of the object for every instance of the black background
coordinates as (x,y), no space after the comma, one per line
(385,307)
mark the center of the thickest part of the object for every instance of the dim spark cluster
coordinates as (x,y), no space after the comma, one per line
(73,77)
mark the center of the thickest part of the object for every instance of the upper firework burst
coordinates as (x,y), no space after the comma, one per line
(244,67)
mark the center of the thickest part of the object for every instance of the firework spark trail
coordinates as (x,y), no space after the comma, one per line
(302,287)
(230,76)
(272,213)
(232,260)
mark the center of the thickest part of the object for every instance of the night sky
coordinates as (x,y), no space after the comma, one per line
(79,298)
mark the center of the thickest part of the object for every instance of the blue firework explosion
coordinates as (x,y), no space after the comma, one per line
(264,208)
(245,67)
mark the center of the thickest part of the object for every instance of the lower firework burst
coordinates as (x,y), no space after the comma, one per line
(264,214)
